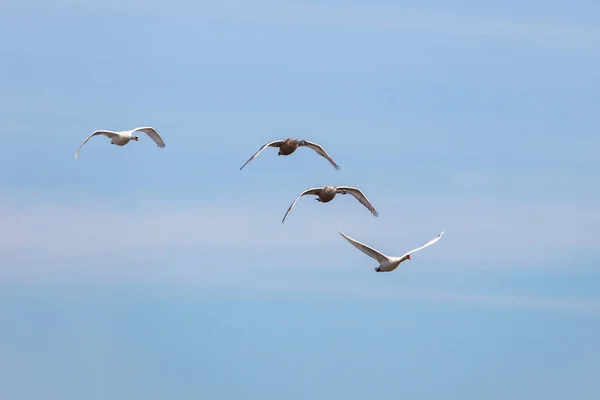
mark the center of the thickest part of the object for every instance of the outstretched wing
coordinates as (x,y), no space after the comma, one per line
(314,191)
(358,195)
(371,252)
(321,152)
(275,143)
(109,134)
(429,243)
(148,130)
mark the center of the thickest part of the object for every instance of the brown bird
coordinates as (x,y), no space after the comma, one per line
(289,145)
(326,193)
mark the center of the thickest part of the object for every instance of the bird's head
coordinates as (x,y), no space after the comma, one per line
(136,138)
(408,257)
(302,142)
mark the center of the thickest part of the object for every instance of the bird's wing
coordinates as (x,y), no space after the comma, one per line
(148,130)
(109,134)
(275,143)
(314,191)
(371,252)
(360,197)
(428,243)
(322,153)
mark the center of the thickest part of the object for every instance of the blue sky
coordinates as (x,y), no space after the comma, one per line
(140,272)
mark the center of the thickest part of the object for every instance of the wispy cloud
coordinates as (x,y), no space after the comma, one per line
(487,300)
(477,229)
(231,280)
(207,244)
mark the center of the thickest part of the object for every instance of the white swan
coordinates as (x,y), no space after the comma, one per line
(121,138)
(387,264)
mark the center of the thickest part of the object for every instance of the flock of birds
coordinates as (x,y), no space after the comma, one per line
(324,194)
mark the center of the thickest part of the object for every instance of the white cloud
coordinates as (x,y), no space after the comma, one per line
(478,230)
(216,245)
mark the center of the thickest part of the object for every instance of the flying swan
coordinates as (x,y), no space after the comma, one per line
(121,138)
(326,193)
(290,145)
(387,264)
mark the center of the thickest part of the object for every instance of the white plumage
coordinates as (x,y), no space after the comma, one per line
(121,138)
(387,263)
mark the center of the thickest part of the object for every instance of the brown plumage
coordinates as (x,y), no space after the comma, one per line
(327,193)
(289,146)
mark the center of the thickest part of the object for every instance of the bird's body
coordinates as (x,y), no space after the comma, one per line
(390,264)
(387,263)
(121,138)
(327,193)
(289,146)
